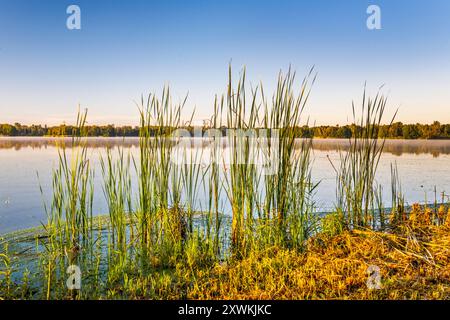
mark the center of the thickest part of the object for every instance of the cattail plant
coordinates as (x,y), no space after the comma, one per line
(117,191)
(69,227)
(282,200)
(289,191)
(242,176)
(355,182)
(161,222)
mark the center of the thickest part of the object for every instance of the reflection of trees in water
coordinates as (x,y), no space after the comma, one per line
(18,143)
(395,147)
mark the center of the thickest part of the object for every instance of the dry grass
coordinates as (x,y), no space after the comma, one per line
(414,263)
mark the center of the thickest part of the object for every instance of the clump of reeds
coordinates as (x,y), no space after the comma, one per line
(356,188)
(289,192)
(268,182)
(69,225)
(157,221)
(118,191)
(168,187)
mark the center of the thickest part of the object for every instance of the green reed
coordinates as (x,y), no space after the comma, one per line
(241,176)
(271,200)
(214,184)
(356,185)
(161,219)
(117,191)
(397,198)
(69,226)
(288,193)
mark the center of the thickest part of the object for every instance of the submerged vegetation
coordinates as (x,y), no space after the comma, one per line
(207,222)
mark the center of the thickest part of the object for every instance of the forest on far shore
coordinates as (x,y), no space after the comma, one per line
(396,130)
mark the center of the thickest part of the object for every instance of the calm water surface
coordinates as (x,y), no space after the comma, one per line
(26,163)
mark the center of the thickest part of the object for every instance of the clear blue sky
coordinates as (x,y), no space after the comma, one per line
(126,48)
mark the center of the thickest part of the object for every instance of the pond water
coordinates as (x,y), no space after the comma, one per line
(27,163)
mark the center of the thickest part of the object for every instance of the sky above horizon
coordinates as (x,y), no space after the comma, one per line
(128,48)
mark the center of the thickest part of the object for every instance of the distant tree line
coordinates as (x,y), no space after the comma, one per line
(397,130)
(18,129)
